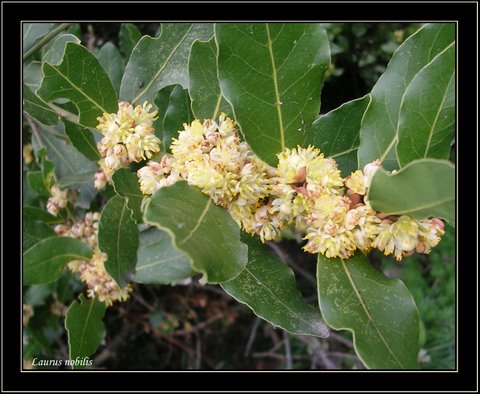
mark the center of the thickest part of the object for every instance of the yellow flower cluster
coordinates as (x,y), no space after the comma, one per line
(93,272)
(128,137)
(306,190)
(59,199)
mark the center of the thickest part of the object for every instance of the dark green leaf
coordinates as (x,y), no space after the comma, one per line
(128,38)
(32,32)
(158,262)
(34,231)
(44,262)
(203,231)
(71,167)
(204,88)
(337,133)
(82,139)
(268,287)
(110,59)
(162,101)
(177,113)
(36,182)
(37,108)
(423,188)
(81,79)
(40,215)
(126,185)
(426,122)
(272,75)
(162,61)
(378,134)
(379,311)
(118,237)
(54,54)
(84,324)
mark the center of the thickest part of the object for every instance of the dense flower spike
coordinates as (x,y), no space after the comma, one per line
(306,190)
(128,137)
(59,199)
(93,272)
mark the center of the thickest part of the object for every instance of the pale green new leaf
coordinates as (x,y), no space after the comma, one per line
(379,311)
(204,88)
(423,188)
(378,134)
(118,237)
(272,75)
(85,327)
(336,133)
(81,79)
(44,261)
(426,122)
(126,185)
(158,262)
(162,61)
(268,287)
(203,231)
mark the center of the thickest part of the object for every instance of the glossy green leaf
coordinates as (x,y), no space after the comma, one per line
(85,327)
(54,54)
(202,230)
(71,167)
(44,262)
(128,37)
(426,122)
(268,287)
(41,181)
(423,188)
(204,88)
(379,311)
(177,113)
(37,108)
(158,262)
(162,61)
(36,181)
(41,215)
(82,139)
(126,185)
(81,79)
(378,134)
(118,237)
(111,60)
(337,133)
(272,75)
(32,32)
(34,231)
(162,100)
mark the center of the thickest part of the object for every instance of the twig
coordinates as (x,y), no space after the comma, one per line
(288,351)
(287,260)
(44,40)
(198,351)
(251,338)
(200,326)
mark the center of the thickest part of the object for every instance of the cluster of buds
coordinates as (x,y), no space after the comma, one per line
(128,136)
(59,199)
(306,191)
(93,272)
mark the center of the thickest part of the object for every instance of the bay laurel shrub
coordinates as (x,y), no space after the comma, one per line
(184,153)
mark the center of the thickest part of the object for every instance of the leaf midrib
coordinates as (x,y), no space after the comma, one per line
(277,92)
(367,312)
